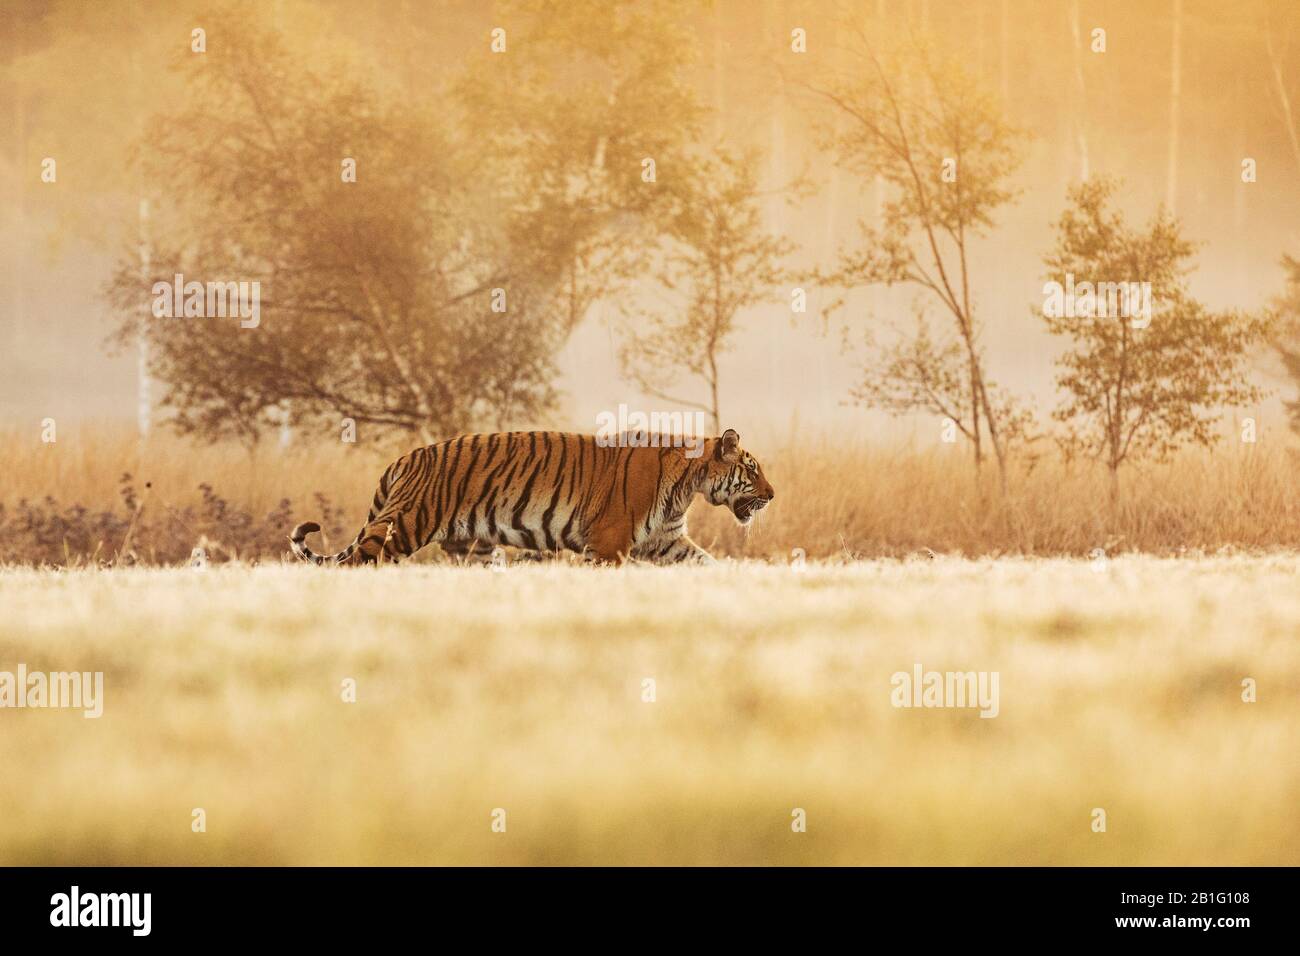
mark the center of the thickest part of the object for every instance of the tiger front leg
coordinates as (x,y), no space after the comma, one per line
(678,550)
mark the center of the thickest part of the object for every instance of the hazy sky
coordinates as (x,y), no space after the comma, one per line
(78,79)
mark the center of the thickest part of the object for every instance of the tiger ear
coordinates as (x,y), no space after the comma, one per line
(728,447)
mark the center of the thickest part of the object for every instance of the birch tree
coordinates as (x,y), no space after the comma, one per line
(1147,379)
(946,155)
(718,260)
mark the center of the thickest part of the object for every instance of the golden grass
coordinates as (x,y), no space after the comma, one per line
(1120,688)
(834,496)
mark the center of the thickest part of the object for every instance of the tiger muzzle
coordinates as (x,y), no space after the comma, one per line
(747,507)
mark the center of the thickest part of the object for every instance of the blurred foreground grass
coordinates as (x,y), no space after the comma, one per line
(1120,688)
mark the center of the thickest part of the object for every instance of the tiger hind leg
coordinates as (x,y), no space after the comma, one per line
(381,541)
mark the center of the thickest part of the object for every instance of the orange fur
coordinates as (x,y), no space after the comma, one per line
(548,491)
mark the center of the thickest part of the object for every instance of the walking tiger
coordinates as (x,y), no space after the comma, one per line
(550,491)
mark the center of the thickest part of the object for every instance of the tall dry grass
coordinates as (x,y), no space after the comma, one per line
(835,496)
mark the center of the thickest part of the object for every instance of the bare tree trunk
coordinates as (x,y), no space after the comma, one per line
(999,451)
(713,394)
(1175,104)
(836,173)
(144,397)
(1283,99)
(19,178)
(889,296)
(975,404)
(144,391)
(1081,90)
(1006,53)
(719,91)
(1241,254)
(779,160)
(286,428)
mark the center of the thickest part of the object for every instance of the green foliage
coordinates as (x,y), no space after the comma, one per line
(1134,391)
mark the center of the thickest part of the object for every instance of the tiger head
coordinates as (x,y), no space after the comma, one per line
(735,478)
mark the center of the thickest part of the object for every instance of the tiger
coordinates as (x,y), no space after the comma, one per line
(609,500)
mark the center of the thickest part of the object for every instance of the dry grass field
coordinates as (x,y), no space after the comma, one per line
(870,237)
(1120,678)
(1120,688)
(836,498)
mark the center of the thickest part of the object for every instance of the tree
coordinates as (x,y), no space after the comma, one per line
(942,147)
(427,288)
(586,95)
(1286,332)
(1140,378)
(717,261)
(926,371)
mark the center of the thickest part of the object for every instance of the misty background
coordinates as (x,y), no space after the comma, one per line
(1185,90)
